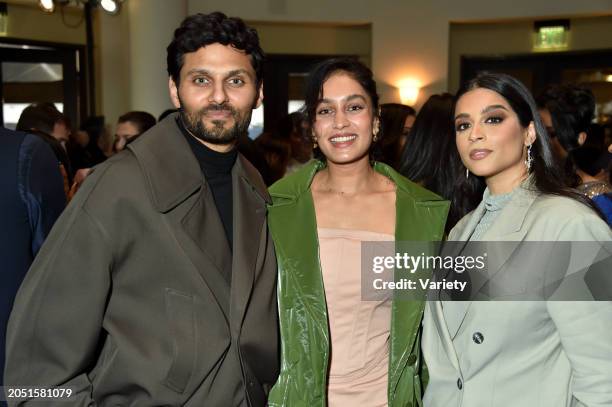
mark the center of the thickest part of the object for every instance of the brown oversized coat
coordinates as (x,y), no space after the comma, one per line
(126,303)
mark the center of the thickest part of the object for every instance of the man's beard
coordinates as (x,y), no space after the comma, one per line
(194,123)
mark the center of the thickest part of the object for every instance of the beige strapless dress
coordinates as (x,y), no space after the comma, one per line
(359,329)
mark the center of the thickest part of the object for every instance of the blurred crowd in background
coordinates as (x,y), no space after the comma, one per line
(418,144)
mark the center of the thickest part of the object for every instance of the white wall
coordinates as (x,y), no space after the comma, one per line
(409,38)
(112,62)
(26,20)
(131,57)
(151,26)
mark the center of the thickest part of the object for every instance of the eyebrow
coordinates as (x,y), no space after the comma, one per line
(239,72)
(234,72)
(493,107)
(347,99)
(485,110)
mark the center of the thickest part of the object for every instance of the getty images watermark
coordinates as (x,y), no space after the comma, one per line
(412,264)
(485,271)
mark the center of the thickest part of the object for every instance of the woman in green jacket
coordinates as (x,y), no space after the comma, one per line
(337,348)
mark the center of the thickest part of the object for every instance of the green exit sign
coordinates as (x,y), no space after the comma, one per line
(551,35)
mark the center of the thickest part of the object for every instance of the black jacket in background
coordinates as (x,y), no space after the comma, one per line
(32,191)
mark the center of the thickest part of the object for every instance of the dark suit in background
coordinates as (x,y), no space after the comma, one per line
(32,191)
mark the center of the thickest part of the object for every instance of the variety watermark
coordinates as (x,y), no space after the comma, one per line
(485,271)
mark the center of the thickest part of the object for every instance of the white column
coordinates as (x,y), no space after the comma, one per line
(151,26)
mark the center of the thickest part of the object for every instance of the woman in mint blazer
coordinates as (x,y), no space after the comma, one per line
(521,353)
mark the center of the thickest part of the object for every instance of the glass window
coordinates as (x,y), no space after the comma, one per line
(26,83)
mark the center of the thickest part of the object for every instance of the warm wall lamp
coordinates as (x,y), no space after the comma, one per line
(110,6)
(409,91)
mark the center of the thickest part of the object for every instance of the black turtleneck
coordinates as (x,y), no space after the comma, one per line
(217,169)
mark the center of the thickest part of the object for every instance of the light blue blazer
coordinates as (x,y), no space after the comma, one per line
(522,353)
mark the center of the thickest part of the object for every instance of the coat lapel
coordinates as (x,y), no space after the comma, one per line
(204,228)
(250,197)
(178,190)
(508,228)
(420,217)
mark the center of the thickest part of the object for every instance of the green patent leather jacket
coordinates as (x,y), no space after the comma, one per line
(420,216)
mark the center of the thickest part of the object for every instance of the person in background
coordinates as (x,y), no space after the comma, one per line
(517,353)
(33,198)
(567,111)
(287,148)
(430,158)
(48,123)
(338,349)
(251,151)
(88,153)
(295,128)
(396,121)
(131,125)
(86,150)
(276,152)
(592,165)
(47,118)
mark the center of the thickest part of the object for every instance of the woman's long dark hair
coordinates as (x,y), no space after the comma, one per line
(430,158)
(546,172)
(392,119)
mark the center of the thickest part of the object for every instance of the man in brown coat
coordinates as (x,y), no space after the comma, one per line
(158,284)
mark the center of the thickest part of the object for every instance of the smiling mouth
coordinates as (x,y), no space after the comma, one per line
(342,139)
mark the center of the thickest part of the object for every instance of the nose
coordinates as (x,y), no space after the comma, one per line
(218,95)
(119,143)
(477,133)
(340,119)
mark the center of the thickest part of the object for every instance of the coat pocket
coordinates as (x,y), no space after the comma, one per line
(180,314)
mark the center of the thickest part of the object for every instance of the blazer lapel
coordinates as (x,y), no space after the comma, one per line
(454,311)
(437,313)
(250,197)
(508,228)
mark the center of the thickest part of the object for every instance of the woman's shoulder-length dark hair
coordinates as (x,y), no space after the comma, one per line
(321,73)
(548,177)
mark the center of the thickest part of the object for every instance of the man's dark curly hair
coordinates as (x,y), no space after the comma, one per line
(199,30)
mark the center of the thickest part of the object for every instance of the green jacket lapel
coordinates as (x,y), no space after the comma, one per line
(420,216)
